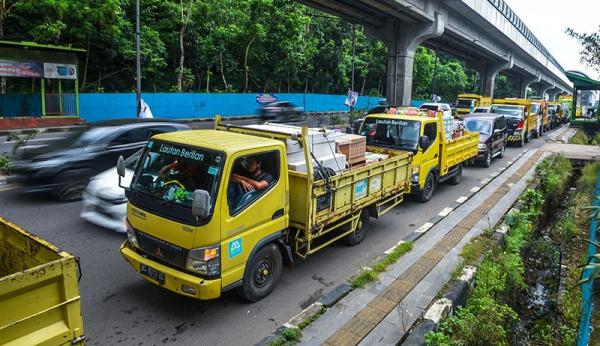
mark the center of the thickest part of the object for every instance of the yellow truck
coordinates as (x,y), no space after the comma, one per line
(197,224)
(523,118)
(468,102)
(39,293)
(437,156)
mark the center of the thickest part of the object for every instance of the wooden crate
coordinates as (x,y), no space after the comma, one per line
(353,146)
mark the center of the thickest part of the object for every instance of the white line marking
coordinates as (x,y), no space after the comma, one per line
(424,228)
(445,211)
(462,199)
(390,250)
(493,175)
(400,242)
(475,189)
(485,181)
(510,184)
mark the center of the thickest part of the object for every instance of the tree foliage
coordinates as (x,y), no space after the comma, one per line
(590,54)
(222,46)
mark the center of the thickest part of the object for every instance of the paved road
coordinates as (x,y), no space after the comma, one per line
(119,307)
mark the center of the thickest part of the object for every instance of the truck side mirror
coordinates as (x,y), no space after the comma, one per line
(424,142)
(201,204)
(121,170)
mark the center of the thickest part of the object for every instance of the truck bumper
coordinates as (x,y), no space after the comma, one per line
(174,280)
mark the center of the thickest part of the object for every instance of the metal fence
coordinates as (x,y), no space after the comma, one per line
(61,104)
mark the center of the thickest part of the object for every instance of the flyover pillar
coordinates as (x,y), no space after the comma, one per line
(402,40)
(543,88)
(553,93)
(487,75)
(526,81)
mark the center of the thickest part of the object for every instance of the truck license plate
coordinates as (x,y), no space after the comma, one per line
(152,273)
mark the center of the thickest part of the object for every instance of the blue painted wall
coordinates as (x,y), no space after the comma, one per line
(20,105)
(96,107)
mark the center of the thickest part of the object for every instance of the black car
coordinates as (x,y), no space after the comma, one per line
(65,167)
(492,135)
(280,111)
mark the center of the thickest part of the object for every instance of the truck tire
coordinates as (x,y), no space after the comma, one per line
(527,137)
(72,184)
(427,191)
(360,233)
(456,179)
(262,274)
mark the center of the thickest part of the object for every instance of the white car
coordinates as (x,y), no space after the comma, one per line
(437,107)
(104,202)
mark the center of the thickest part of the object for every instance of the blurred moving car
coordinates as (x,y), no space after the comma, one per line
(280,111)
(492,135)
(65,167)
(437,107)
(104,201)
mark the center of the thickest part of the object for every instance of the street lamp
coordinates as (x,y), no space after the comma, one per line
(138,68)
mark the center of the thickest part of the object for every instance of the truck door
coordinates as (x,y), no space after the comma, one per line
(250,214)
(429,155)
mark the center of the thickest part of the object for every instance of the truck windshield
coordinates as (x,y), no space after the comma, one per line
(509,111)
(168,174)
(535,108)
(465,103)
(392,133)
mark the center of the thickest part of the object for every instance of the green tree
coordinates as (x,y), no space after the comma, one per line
(590,54)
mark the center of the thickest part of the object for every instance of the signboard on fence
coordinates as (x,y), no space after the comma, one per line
(60,71)
(265,98)
(10,68)
(351,98)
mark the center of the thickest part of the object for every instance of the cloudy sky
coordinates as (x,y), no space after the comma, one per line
(548,19)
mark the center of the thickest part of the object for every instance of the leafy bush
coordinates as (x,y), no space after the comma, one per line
(5,163)
(553,175)
(579,138)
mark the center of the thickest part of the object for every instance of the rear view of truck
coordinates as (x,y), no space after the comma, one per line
(39,293)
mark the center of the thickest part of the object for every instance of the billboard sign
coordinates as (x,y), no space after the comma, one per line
(10,68)
(60,71)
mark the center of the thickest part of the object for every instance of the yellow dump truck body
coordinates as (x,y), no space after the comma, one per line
(468,102)
(39,293)
(533,121)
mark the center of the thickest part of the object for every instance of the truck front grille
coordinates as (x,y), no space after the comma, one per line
(162,250)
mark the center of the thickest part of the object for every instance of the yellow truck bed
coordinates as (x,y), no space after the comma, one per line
(39,293)
(458,150)
(320,207)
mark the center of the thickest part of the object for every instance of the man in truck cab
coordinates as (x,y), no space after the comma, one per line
(249,177)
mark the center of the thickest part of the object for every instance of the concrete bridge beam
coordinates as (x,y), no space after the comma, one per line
(543,87)
(402,39)
(526,81)
(488,72)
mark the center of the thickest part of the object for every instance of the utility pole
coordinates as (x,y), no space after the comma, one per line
(138,68)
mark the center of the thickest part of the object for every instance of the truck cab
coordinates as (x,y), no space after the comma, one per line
(531,126)
(437,156)
(467,103)
(200,250)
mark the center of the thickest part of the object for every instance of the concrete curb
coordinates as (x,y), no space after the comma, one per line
(41,130)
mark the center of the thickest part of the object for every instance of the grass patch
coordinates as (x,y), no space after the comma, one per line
(307,322)
(475,248)
(290,336)
(580,138)
(368,275)
(5,164)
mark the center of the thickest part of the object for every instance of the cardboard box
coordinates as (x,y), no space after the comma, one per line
(353,146)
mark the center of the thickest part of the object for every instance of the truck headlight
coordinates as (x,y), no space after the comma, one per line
(205,260)
(482,146)
(415,174)
(131,238)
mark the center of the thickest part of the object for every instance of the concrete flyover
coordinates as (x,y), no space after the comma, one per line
(487,34)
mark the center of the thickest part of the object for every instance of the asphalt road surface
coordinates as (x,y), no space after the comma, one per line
(120,307)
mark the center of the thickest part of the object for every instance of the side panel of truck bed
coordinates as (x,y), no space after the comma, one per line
(349,192)
(39,294)
(458,150)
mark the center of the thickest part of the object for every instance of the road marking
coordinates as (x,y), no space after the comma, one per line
(485,181)
(462,199)
(475,189)
(390,250)
(510,184)
(424,228)
(493,175)
(445,211)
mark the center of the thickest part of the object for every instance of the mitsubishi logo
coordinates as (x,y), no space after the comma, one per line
(158,252)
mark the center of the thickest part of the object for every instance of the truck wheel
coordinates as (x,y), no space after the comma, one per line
(488,159)
(427,191)
(262,273)
(455,180)
(72,185)
(361,229)
(527,137)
